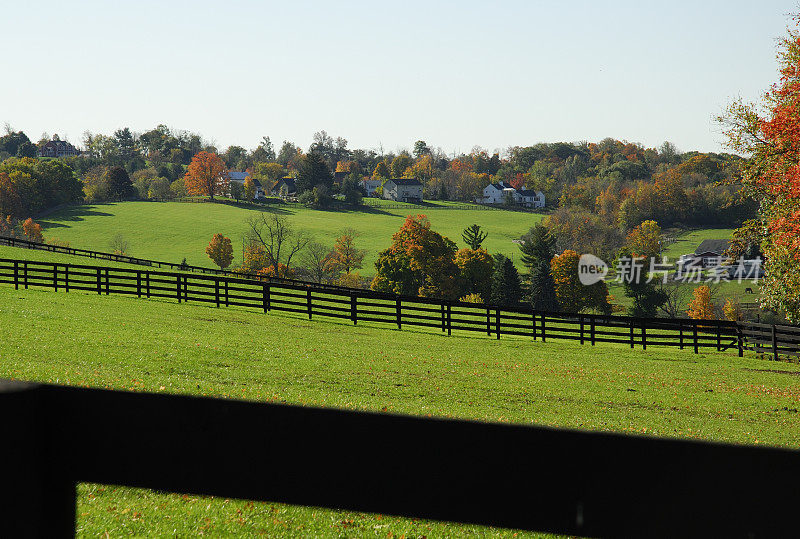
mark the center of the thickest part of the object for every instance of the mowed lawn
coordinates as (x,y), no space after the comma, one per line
(162,346)
(170,231)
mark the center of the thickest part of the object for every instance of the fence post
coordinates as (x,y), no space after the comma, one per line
(581,317)
(449,321)
(497,322)
(444,317)
(680,333)
(269,297)
(264,300)
(353,308)
(16,275)
(644,335)
(694,334)
(147,279)
(534,324)
(630,323)
(138,284)
(107,283)
(544,337)
(719,336)
(99,281)
(227,292)
(55,277)
(185,279)
(739,339)
(308,300)
(66,277)
(591,329)
(399,316)
(178,287)
(25,274)
(774,343)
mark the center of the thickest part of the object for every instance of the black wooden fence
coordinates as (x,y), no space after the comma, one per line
(513,476)
(358,305)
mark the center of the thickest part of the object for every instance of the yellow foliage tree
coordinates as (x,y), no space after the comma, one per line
(701,307)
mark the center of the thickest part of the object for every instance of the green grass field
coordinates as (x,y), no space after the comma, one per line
(161,346)
(169,231)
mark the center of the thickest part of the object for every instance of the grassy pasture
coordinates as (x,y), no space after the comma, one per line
(161,346)
(169,231)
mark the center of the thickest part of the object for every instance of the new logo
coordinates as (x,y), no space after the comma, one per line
(591,269)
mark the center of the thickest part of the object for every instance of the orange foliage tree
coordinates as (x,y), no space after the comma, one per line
(32,230)
(701,307)
(220,250)
(419,262)
(207,175)
(345,257)
(645,240)
(772,174)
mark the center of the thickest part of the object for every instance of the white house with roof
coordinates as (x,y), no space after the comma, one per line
(530,198)
(239,177)
(403,190)
(500,192)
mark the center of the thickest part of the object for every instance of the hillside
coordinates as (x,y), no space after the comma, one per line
(150,345)
(170,231)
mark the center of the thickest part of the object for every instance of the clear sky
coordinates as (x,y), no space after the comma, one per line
(456,74)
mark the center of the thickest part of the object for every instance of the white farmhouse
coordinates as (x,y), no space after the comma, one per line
(495,193)
(530,198)
(500,192)
(403,190)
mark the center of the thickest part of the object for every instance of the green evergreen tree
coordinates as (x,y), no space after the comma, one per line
(538,248)
(120,185)
(647,298)
(506,288)
(473,237)
(313,172)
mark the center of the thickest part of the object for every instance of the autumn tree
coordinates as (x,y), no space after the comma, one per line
(573,296)
(419,262)
(249,189)
(473,236)
(475,268)
(220,250)
(207,175)
(10,203)
(772,174)
(701,307)
(644,241)
(315,263)
(32,230)
(345,257)
(277,240)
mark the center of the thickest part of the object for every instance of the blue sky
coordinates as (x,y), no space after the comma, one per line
(456,74)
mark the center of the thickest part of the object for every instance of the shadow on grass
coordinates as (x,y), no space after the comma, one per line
(73,214)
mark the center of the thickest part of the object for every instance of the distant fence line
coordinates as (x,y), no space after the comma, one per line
(356,305)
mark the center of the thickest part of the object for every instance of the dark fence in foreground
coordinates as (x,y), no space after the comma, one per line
(356,305)
(513,476)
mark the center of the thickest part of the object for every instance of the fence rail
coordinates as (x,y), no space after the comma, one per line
(357,305)
(514,476)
